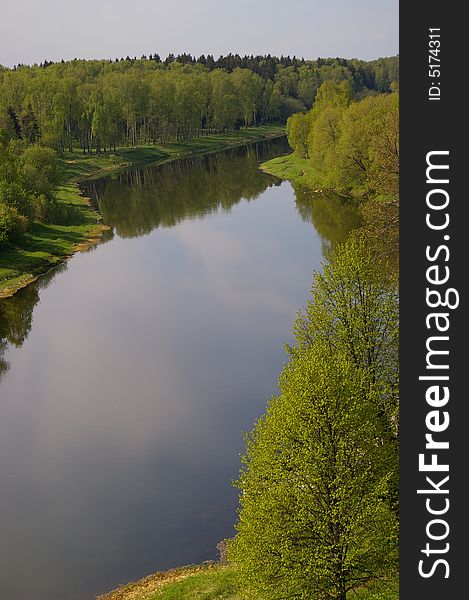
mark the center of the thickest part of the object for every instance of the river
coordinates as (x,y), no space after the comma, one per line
(128,375)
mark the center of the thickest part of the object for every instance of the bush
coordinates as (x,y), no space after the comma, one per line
(13,194)
(12,225)
(40,170)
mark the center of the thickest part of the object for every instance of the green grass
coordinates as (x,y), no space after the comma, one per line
(78,165)
(294,168)
(45,246)
(218,584)
(207,581)
(212,581)
(222,584)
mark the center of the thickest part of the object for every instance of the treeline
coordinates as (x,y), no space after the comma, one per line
(97,105)
(353,146)
(376,74)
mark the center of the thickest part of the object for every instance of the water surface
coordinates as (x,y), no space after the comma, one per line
(128,375)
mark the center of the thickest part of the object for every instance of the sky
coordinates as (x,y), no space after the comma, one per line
(32,31)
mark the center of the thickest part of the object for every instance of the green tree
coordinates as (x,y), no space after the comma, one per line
(11,224)
(318,516)
(368,150)
(355,310)
(331,102)
(298,127)
(223,105)
(249,88)
(40,171)
(29,125)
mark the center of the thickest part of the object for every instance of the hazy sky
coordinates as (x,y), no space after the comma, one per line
(35,30)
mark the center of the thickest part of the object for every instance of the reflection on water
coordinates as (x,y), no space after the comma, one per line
(130,373)
(137,201)
(333,216)
(16,314)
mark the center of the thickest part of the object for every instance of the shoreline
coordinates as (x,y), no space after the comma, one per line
(292,168)
(44,247)
(150,584)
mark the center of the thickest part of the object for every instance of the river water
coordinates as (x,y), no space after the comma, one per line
(128,375)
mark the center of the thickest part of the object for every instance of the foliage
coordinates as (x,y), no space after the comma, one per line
(99,104)
(29,177)
(381,231)
(11,224)
(353,147)
(298,126)
(40,170)
(318,508)
(368,150)
(355,310)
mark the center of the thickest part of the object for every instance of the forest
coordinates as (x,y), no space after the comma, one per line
(100,104)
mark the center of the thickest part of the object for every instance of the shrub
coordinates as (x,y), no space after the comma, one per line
(40,170)
(11,224)
(13,194)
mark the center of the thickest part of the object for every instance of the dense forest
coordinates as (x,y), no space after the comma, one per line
(100,104)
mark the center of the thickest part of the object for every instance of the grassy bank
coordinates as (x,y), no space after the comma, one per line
(294,168)
(45,246)
(212,581)
(206,581)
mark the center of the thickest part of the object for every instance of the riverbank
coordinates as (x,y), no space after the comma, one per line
(294,168)
(208,580)
(214,581)
(45,246)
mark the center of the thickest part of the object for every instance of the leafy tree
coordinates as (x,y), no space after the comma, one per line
(29,126)
(11,224)
(40,170)
(249,87)
(368,152)
(318,514)
(355,309)
(224,111)
(324,121)
(381,231)
(298,128)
